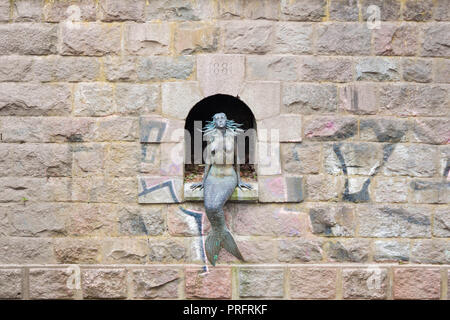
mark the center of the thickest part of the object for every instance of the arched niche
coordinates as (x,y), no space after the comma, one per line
(203,111)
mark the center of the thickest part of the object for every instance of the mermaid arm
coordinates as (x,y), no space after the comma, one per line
(237,167)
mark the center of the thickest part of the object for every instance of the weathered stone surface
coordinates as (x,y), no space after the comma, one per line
(26,250)
(394,221)
(300,158)
(253,251)
(417,283)
(303,10)
(195,37)
(74,251)
(261,282)
(151,38)
(368,283)
(218,73)
(309,98)
(167,250)
(250,9)
(300,250)
(156,283)
(89,159)
(120,68)
(384,130)
(414,100)
(441,226)
(280,189)
(270,67)
(293,38)
(38,189)
(91,39)
(5,11)
(214,284)
(123,159)
(104,283)
(414,10)
(436,40)
(334,221)
(120,10)
(432,131)
(343,39)
(88,219)
(150,158)
(391,251)
(104,189)
(153,189)
(417,70)
(179,97)
(137,99)
(28,38)
(247,37)
(94,99)
(72,69)
(148,220)
(395,40)
(16,68)
(167,129)
(377,69)
(430,251)
(414,160)
(29,99)
(268,220)
(430,191)
(358,99)
(11,280)
(349,250)
(390,190)
(51,284)
(441,10)
(268,156)
(258,95)
(289,127)
(35,160)
(312,283)
(119,251)
(311,68)
(180,10)
(389,9)
(323,128)
(323,187)
(441,70)
(37,219)
(83,10)
(27,10)
(344,10)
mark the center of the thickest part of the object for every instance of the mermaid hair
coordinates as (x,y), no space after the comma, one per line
(231,126)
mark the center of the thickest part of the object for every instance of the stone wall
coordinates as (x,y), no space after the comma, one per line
(356,207)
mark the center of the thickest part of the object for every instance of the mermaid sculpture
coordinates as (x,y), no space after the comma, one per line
(220,178)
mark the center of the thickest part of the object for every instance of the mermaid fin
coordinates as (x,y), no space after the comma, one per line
(216,240)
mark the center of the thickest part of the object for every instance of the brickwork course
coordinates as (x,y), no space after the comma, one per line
(356,206)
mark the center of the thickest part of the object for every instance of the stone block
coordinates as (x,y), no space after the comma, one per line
(431,251)
(417,283)
(303,10)
(323,187)
(317,69)
(441,70)
(94,99)
(417,70)
(344,10)
(121,251)
(349,250)
(300,250)
(167,251)
(11,280)
(28,39)
(247,37)
(332,220)
(104,283)
(27,10)
(157,129)
(14,250)
(391,251)
(222,74)
(414,160)
(312,283)
(384,130)
(377,69)
(280,189)
(300,158)
(120,68)
(305,98)
(195,37)
(151,283)
(58,11)
(268,67)
(180,10)
(324,128)
(358,99)
(137,99)
(390,189)
(259,283)
(179,97)
(52,283)
(91,39)
(293,38)
(436,41)
(289,127)
(119,10)
(139,221)
(370,283)
(343,39)
(258,95)
(75,251)
(389,9)
(441,226)
(414,10)
(213,284)
(395,40)
(394,221)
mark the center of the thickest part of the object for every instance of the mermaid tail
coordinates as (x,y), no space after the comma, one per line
(218,239)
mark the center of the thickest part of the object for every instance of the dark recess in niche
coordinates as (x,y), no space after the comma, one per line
(236,110)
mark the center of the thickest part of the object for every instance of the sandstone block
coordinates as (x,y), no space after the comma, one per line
(343,39)
(261,283)
(51,284)
(293,38)
(417,283)
(119,10)
(303,10)
(258,95)
(195,37)
(215,284)
(179,97)
(311,68)
(247,37)
(368,283)
(391,250)
(28,39)
(282,68)
(313,283)
(397,40)
(300,158)
(300,250)
(104,283)
(358,99)
(11,280)
(378,69)
(151,38)
(309,98)
(156,283)
(323,128)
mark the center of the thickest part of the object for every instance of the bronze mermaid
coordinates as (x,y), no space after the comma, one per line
(220,178)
